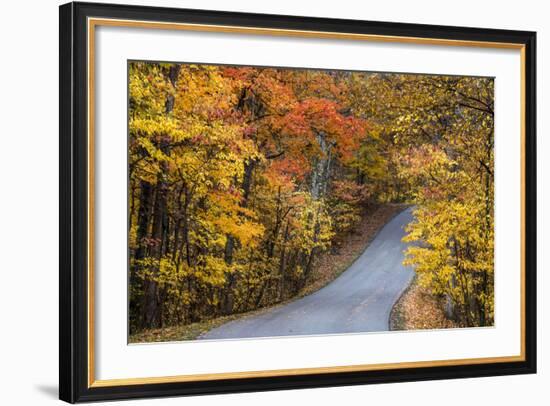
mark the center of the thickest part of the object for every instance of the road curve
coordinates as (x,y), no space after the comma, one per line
(359,300)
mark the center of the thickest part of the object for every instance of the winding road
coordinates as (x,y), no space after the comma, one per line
(359,300)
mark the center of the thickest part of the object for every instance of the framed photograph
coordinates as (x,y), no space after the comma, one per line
(257,202)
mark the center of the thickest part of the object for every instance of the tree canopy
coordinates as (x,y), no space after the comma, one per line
(239,177)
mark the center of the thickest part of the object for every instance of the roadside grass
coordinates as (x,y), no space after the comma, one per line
(329,265)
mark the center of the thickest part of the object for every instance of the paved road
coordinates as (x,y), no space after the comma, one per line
(359,300)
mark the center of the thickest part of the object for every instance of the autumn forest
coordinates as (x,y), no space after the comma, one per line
(245,181)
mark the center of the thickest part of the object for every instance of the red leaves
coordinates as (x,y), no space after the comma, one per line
(249,131)
(290,168)
(316,115)
(349,192)
(294,106)
(237,73)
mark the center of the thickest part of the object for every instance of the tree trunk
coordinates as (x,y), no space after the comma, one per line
(143,220)
(321,171)
(152,315)
(282,264)
(152,309)
(229,300)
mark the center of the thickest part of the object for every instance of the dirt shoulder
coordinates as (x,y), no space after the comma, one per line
(418,309)
(328,267)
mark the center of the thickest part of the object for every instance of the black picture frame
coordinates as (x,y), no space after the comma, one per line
(73,255)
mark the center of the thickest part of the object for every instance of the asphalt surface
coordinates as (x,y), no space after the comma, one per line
(359,300)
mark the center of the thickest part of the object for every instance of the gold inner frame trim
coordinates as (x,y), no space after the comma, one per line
(299,371)
(94,22)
